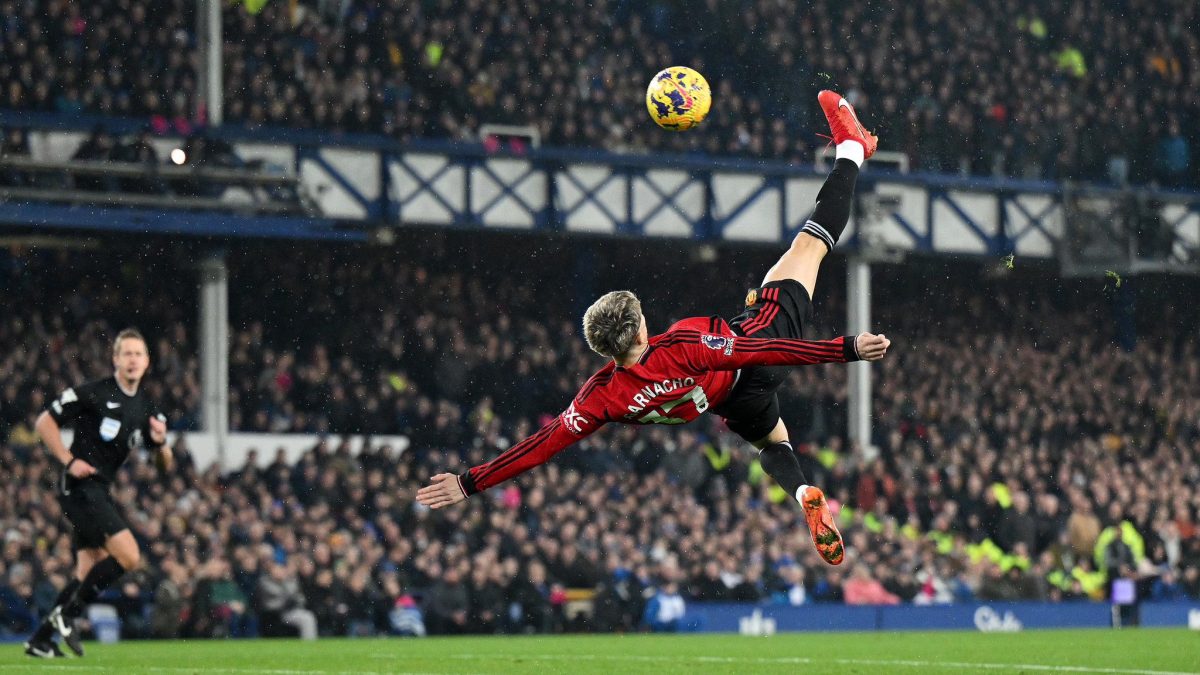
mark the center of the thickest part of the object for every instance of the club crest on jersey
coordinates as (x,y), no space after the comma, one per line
(751,297)
(718,342)
(109,428)
(573,420)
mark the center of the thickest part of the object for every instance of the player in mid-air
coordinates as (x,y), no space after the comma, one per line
(111,417)
(706,363)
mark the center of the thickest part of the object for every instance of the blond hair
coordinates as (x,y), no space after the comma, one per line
(611,324)
(127,334)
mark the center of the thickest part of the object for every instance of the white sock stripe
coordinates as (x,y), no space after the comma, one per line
(851,150)
(816,230)
(800,493)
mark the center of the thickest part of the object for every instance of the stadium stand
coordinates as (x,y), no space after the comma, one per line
(1012,462)
(1083,90)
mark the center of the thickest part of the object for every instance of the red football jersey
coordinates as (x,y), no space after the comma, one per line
(684,372)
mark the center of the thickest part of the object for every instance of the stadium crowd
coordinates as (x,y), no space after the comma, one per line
(1099,91)
(1020,453)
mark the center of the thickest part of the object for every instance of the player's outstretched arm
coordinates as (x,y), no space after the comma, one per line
(446,489)
(731,353)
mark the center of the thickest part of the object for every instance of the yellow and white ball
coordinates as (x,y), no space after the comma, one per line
(678,98)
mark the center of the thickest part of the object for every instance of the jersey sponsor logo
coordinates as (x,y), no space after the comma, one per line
(718,342)
(573,420)
(112,405)
(109,428)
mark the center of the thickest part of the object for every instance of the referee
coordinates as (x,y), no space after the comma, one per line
(111,418)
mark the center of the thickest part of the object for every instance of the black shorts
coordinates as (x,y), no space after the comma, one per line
(779,309)
(93,514)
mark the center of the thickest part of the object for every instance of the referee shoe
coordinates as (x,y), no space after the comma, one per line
(66,629)
(44,650)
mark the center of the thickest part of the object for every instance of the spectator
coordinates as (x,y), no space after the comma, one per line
(406,618)
(1017,525)
(531,610)
(751,587)
(710,587)
(218,606)
(792,589)
(1083,528)
(1167,588)
(283,604)
(829,588)
(1173,156)
(862,589)
(666,609)
(171,599)
(16,601)
(486,600)
(447,607)
(97,147)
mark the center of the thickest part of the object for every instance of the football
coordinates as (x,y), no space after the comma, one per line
(678,98)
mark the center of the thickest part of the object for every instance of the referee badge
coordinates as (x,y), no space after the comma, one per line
(109,428)
(752,297)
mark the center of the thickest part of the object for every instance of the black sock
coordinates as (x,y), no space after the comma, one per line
(64,596)
(780,463)
(829,218)
(101,577)
(44,630)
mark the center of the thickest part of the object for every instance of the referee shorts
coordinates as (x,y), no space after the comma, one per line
(93,514)
(779,309)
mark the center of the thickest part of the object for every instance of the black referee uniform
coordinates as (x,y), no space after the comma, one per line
(108,424)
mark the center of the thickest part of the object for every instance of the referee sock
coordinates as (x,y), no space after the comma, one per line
(102,575)
(832,212)
(779,461)
(44,630)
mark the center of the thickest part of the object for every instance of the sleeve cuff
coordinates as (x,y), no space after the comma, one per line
(850,348)
(467,483)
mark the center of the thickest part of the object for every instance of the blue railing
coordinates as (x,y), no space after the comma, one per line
(361,182)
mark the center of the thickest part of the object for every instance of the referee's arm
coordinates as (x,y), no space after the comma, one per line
(156,431)
(51,434)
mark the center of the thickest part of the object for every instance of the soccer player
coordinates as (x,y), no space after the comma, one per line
(111,418)
(706,363)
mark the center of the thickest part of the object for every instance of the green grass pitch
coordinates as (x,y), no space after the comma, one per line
(1125,652)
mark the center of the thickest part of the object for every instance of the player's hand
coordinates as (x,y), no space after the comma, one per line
(871,347)
(158,430)
(445,490)
(80,469)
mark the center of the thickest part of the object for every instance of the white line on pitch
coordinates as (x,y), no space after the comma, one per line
(42,667)
(951,665)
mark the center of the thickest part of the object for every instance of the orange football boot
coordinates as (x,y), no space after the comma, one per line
(824,531)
